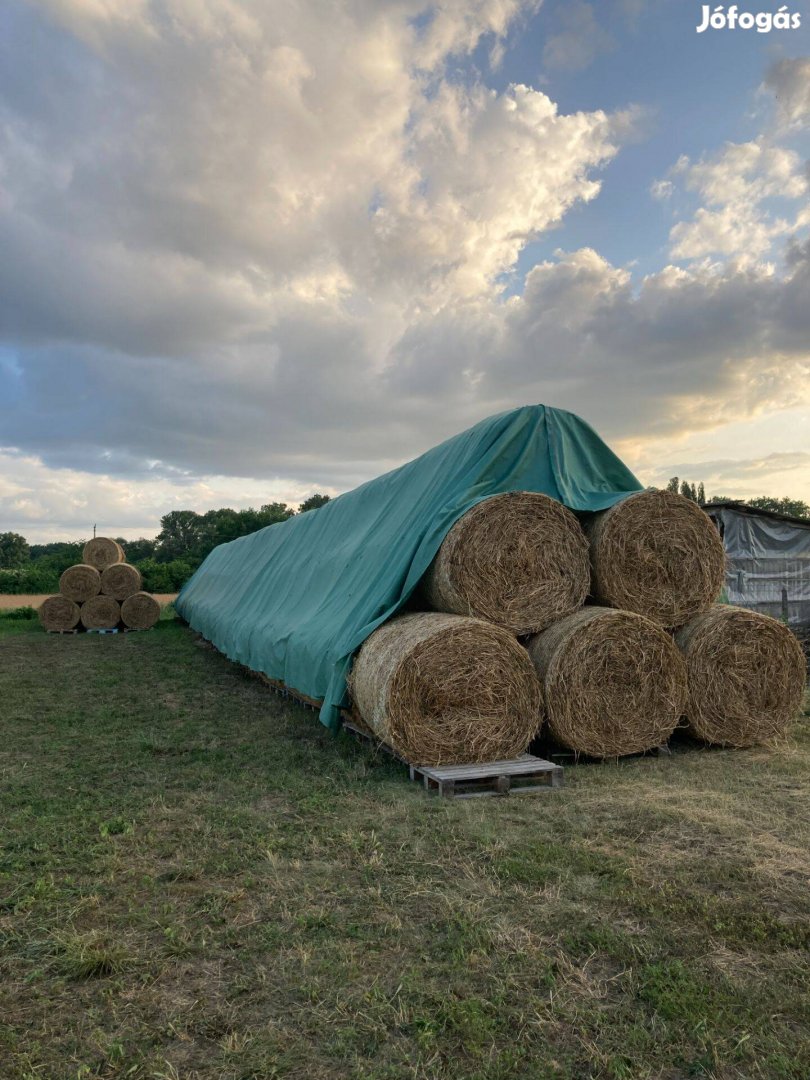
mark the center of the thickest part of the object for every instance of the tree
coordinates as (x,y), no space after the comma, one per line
(673,485)
(701,493)
(273,512)
(686,490)
(14,551)
(790,507)
(179,536)
(312,503)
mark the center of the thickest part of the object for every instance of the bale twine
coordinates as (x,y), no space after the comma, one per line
(614,682)
(120,581)
(102,552)
(444,689)
(80,582)
(58,613)
(140,611)
(101,613)
(658,554)
(746,676)
(519,559)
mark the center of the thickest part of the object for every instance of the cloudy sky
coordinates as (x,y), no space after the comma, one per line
(250,249)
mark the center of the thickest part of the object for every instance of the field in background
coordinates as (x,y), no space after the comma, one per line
(10,601)
(198,881)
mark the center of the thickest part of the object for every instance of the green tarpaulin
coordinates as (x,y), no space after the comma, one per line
(296,600)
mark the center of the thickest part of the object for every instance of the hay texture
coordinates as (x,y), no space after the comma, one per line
(657,554)
(101,613)
(102,552)
(614,682)
(120,581)
(58,613)
(140,611)
(80,582)
(444,689)
(519,560)
(746,675)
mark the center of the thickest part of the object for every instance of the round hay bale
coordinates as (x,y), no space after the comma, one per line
(58,613)
(658,554)
(444,689)
(519,560)
(120,581)
(746,676)
(140,611)
(80,582)
(614,682)
(101,613)
(102,552)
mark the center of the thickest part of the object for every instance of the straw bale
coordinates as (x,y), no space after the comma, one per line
(444,689)
(658,554)
(140,611)
(746,675)
(102,552)
(518,559)
(101,613)
(613,681)
(120,581)
(58,613)
(80,582)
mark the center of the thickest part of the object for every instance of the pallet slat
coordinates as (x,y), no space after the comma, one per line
(518,776)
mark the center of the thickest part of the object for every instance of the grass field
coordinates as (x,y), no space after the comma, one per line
(198,881)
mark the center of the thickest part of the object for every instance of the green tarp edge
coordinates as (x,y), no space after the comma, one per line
(297,599)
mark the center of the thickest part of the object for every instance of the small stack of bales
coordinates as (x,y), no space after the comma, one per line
(616,615)
(100,593)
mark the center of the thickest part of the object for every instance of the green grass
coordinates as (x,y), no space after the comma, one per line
(198,881)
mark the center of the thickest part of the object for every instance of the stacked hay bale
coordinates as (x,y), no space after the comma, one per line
(100,593)
(650,650)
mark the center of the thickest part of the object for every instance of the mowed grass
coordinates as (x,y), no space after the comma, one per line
(199,881)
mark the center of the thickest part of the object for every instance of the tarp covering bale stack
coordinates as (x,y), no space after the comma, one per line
(445,689)
(296,600)
(746,676)
(96,588)
(614,682)
(481,529)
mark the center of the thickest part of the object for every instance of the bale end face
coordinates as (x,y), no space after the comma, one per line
(80,582)
(519,559)
(614,682)
(140,611)
(102,552)
(746,676)
(656,554)
(59,613)
(120,581)
(101,613)
(445,689)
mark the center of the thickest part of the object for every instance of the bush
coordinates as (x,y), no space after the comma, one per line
(26,612)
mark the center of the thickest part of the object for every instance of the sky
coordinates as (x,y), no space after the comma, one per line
(254,249)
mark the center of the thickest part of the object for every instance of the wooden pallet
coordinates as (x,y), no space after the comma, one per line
(103,631)
(61,631)
(521,775)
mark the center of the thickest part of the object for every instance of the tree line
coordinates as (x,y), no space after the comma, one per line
(797,508)
(166,562)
